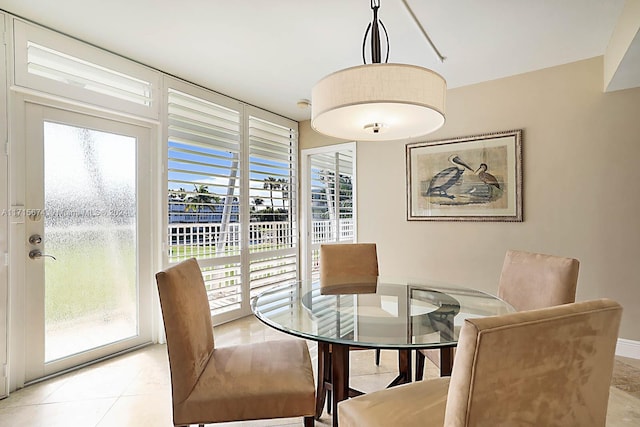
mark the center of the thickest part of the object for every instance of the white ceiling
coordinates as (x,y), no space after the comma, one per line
(271,53)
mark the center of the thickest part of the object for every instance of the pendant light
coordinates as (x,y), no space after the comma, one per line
(378,101)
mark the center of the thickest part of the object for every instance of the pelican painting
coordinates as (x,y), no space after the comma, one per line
(486,177)
(451,186)
(466,179)
(446,178)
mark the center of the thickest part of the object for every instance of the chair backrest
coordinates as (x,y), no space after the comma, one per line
(347,264)
(529,280)
(187,324)
(546,367)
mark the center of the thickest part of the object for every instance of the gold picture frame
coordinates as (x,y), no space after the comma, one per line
(474,178)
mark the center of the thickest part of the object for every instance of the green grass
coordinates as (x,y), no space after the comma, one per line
(91,277)
(95,274)
(182,252)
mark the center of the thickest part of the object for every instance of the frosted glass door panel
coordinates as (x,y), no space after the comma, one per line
(90,228)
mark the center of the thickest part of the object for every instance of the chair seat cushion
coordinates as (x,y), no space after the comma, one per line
(420,404)
(271,379)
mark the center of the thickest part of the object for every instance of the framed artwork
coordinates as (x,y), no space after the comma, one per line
(475,178)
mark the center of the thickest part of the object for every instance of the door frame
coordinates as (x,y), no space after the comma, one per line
(18,246)
(4,219)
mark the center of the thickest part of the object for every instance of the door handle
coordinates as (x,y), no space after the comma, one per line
(37,254)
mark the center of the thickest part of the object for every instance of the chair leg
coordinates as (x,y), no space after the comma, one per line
(377,357)
(309,422)
(419,366)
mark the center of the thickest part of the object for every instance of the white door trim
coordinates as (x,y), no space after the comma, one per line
(4,218)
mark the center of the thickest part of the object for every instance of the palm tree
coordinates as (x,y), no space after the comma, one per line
(271,184)
(284,187)
(199,199)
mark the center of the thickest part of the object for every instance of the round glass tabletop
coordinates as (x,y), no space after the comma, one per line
(386,314)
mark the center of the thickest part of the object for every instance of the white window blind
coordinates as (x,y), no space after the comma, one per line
(203,159)
(54,65)
(244,242)
(272,192)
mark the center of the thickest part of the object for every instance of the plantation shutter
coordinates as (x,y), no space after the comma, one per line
(231,175)
(331,196)
(273,232)
(53,63)
(204,182)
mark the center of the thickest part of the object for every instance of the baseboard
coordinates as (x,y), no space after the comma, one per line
(628,348)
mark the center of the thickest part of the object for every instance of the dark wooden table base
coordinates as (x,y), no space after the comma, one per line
(333,381)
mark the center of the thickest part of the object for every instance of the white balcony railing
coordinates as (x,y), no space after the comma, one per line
(215,240)
(327,231)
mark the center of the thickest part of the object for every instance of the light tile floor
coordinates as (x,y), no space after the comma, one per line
(134,389)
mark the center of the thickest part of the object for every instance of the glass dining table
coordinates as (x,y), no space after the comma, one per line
(397,314)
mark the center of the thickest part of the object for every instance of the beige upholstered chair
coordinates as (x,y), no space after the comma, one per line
(347,265)
(272,379)
(527,281)
(545,367)
(530,280)
(344,268)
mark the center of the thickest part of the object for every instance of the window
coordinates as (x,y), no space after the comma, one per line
(332,197)
(231,175)
(203,163)
(329,200)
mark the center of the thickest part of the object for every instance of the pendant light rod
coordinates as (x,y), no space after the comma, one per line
(375,34)
(374,27)
(424,32)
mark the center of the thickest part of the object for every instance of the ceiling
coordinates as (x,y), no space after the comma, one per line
(271,53)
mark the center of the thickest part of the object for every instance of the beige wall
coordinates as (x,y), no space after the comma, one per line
(581,151)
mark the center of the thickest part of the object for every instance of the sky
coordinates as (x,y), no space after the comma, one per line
(214,171)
